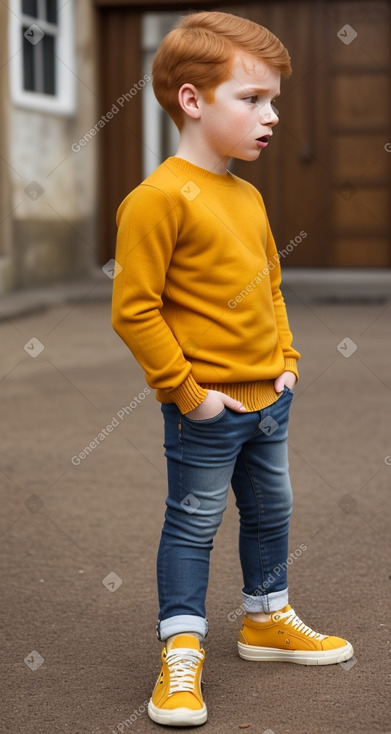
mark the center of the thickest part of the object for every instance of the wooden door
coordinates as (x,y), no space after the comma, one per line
(327,171)
(120,138)
(360,104)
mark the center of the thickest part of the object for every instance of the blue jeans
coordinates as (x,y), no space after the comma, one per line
(248,450)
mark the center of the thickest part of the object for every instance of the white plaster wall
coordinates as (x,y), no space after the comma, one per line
(41,152)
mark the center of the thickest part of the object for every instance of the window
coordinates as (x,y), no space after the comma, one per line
(42,56)
(160,135)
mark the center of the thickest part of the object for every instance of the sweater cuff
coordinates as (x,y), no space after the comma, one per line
(291,366)
(188,395)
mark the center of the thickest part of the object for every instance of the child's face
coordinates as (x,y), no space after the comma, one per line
(241,112)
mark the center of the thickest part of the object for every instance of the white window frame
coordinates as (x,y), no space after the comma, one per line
(64,101)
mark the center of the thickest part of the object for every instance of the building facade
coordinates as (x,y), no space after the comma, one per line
(48,194)
(80,128)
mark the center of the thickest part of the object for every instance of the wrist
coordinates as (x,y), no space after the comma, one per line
(188,396)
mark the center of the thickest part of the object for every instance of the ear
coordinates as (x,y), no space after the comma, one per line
(188,97)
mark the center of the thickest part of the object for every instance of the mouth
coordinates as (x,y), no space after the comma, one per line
(263,141)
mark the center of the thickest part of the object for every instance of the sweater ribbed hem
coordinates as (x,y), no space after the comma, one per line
(253,395)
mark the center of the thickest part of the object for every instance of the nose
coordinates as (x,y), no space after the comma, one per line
(268,115)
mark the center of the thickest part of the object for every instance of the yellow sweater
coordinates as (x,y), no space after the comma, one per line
(198,299)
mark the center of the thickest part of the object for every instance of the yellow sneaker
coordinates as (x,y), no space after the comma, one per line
(285,637)
(177,698)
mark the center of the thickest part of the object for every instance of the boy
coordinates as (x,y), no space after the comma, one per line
(199,304)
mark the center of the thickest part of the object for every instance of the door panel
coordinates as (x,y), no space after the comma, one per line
(370,159)
(360,100)
(352,252)
(359,211)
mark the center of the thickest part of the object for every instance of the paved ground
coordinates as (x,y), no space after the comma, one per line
(80,656)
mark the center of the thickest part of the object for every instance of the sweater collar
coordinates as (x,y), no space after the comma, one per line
(226,179)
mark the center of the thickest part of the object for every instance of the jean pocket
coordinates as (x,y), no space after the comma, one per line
(204,421)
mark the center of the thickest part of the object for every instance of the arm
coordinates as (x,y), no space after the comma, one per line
(147,235)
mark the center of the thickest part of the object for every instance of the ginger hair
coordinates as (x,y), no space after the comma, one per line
(201,50)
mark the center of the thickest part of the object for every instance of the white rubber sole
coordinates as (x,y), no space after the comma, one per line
(323,657)
(177,717)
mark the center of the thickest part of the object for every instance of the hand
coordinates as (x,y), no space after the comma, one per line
(287,378)
(213,405)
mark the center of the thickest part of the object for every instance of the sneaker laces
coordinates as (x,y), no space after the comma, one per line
(292,619)
(182,664)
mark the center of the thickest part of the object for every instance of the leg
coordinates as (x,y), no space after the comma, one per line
(264,498)
(199,473)
(263,493)
(200,467)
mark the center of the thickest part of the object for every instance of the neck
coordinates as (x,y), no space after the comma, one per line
(199,154)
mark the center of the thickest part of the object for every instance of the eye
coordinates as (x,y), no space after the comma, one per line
(252,99)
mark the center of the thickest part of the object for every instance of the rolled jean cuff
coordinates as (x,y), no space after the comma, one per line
(181,624)
(265,603)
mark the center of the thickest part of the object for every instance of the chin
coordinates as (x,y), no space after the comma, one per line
(253,156)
